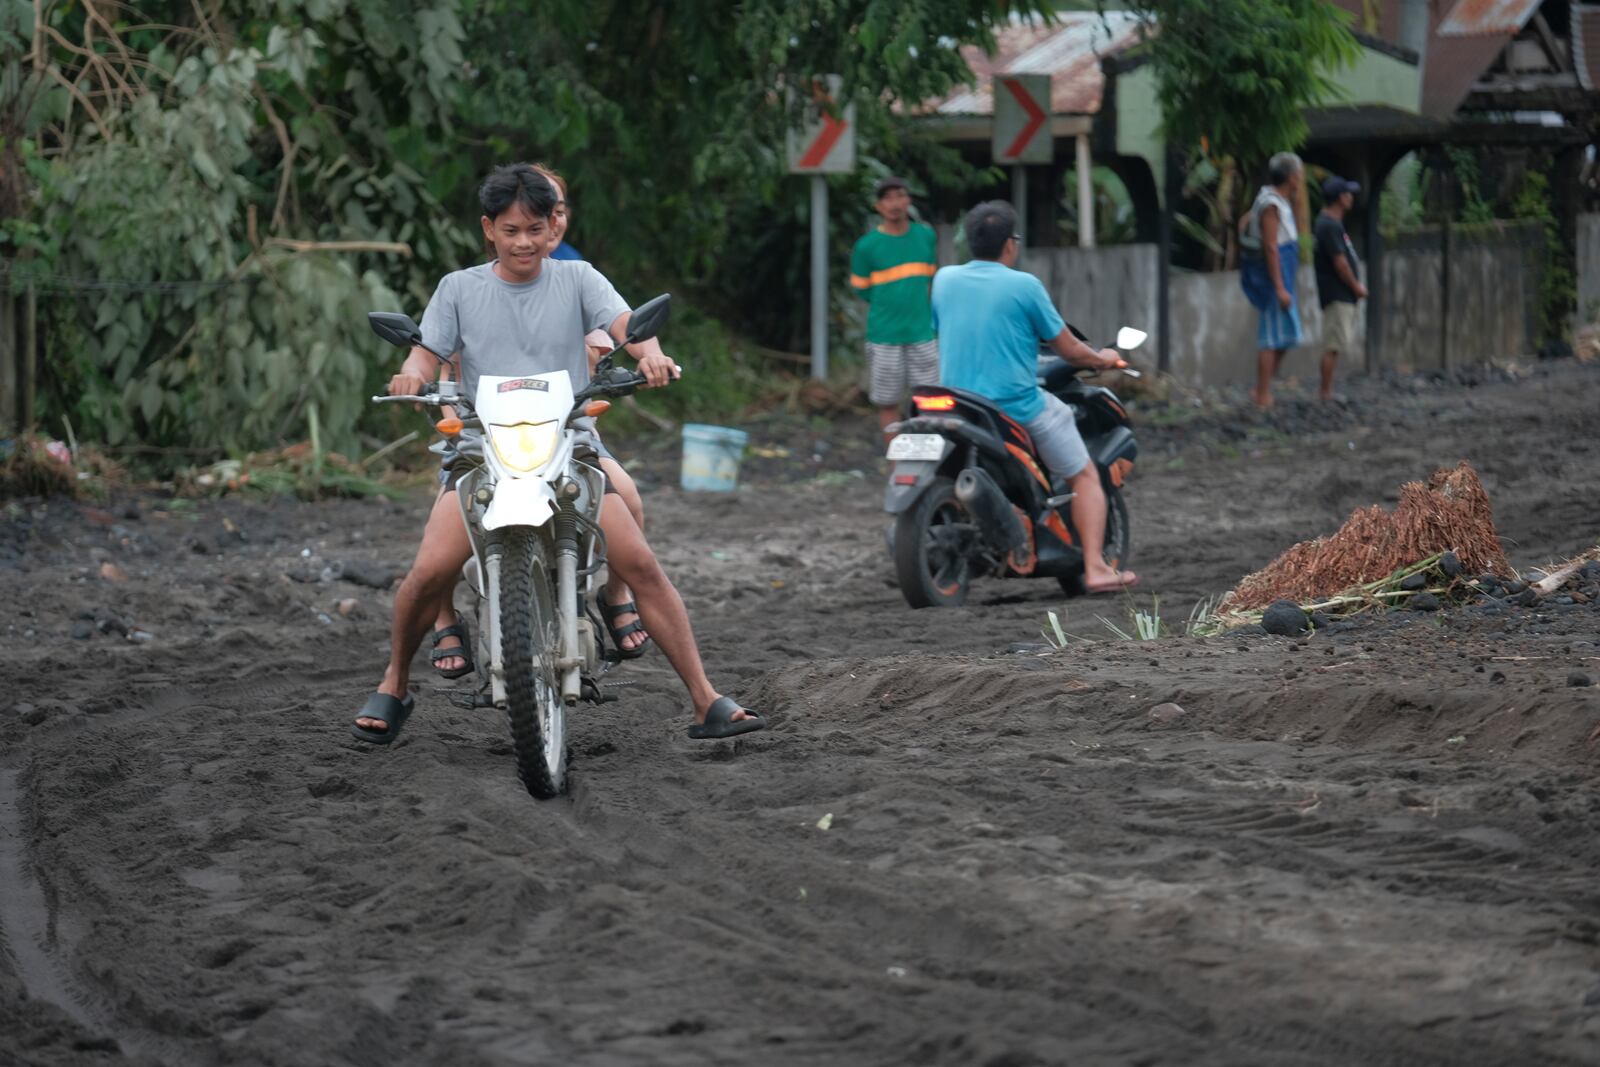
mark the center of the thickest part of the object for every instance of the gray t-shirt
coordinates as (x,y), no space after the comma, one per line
(533,328)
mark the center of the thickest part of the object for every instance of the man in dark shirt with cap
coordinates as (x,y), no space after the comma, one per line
(1338,276)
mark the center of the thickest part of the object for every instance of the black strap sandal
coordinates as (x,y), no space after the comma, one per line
(394,714)
(721,723)
(457,629)
(610,612)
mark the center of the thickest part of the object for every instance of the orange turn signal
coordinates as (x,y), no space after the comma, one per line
(945,402)
(596,408)
(448,426)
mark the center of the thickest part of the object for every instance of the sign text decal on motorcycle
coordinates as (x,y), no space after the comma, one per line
(523,383)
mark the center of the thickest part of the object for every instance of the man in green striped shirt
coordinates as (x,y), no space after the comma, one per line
(892,268)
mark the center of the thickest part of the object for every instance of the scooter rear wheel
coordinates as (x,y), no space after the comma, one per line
(934,542)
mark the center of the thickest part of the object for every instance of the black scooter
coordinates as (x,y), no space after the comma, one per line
(972,498)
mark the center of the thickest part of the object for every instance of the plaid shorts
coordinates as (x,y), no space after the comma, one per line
(896,368)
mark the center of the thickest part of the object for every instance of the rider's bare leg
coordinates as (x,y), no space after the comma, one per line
(1089,516)
(446,615)
(886,417)
(444,549)
(617,591)
(629,556)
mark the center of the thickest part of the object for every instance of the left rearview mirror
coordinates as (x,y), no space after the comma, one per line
(648,318)
(395,328)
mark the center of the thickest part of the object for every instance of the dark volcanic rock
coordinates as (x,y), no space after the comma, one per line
(1424,602)
(1579,680)
(1450,565)
(1285,619)
(371,575)
(1413,582)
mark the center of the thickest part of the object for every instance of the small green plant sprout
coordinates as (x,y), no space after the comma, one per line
(1146,625)
(1055,637)
(1203,610)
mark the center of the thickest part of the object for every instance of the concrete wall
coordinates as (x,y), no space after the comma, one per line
(1460,298)
(1214,330)
(1100,290)
(1488,312)
(1588,269)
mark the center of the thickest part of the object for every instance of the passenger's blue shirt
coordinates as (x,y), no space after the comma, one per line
(565,251)
(990,320)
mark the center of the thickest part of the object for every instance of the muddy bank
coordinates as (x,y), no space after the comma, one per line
(1372,845)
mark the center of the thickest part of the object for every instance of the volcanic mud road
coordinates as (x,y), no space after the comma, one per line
(1377,846)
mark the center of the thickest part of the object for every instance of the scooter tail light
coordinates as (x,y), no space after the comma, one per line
(905,479)
(942,402)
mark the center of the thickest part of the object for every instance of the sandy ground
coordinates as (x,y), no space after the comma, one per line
(1376,846)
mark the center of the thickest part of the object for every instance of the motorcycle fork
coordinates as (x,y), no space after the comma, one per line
(491,625)
(572,659)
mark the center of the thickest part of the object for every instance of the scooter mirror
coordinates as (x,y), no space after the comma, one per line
(648,318)
(395,328)
(1128,338)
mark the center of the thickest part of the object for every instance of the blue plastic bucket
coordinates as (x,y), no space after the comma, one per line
(711,457)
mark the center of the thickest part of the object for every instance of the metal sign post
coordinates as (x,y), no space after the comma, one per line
(1021,132)
(826,144)
(819,277)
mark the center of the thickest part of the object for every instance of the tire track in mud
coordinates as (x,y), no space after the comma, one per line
(39,940)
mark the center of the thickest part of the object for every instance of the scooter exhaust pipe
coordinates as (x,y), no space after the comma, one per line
(1001,527)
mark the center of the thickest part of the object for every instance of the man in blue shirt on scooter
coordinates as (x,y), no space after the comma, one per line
(990,319)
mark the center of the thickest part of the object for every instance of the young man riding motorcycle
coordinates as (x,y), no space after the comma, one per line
(522,315)
(452,656)
(991,319)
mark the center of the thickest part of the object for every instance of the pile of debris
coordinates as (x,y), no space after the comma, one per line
(1438,547)
(1450,513)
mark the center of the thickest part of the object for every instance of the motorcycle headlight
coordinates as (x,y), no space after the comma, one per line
(525,446)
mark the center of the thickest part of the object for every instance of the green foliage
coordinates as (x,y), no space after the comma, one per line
(1558,285)
(1474,208)
(1234,76)
(1114,219)
(172,179)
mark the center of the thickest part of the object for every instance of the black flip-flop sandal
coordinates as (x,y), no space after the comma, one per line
(394,714)
(456,629)
(609,612)
(721,723)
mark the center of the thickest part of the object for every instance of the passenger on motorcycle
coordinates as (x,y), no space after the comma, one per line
(524,315)
(991,319)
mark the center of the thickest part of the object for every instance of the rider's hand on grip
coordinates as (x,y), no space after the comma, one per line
(658,369)
(404,384)
(1109,360)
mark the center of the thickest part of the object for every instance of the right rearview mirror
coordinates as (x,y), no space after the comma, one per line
(648,318)
(395,328)
(1128,338)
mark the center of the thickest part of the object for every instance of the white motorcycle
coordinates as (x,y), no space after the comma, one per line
(531,502)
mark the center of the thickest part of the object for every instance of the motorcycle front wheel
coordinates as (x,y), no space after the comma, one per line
(530,640)
(934,542)
(1118,543)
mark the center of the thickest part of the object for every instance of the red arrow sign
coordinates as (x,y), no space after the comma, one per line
(832,130)
(1035,117)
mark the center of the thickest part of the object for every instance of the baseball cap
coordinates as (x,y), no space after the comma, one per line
(1333,186)
(886,183)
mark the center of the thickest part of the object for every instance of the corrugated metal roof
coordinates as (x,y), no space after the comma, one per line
(1482,18)
(1586,45)
(1069,50)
